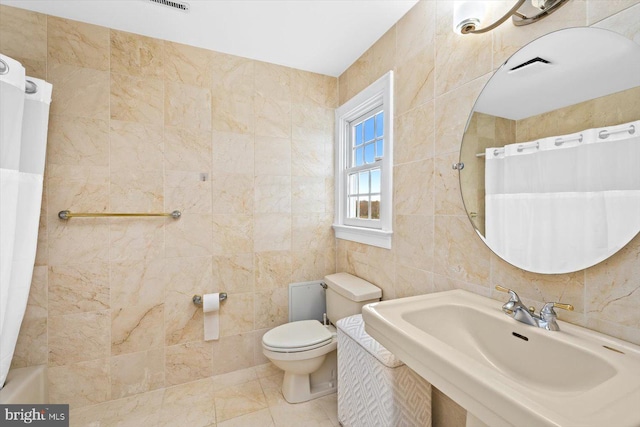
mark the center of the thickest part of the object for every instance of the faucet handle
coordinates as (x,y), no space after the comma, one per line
(502,288)
(548,315)
(549,307)
(512,293)
(514,302)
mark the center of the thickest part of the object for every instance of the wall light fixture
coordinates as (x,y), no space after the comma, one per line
(468,15)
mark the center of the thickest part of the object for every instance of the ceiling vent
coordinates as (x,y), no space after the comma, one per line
(176,5)
(530,62)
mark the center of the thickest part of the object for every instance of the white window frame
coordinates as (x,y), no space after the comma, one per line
(379,93)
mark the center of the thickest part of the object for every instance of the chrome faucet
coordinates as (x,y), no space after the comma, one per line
(546,319)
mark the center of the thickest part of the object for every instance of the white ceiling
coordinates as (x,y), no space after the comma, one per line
(585,63)
(323,36)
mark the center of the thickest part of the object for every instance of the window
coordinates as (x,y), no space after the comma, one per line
(364,150)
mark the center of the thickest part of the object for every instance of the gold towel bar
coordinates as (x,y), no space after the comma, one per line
(69,214)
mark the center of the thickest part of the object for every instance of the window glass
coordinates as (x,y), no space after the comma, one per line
(369,153)
(352,212)
(359,160)
(363,186)
(369,132)
(358,135)
(379,124)
(363,207)
(375,207)
(379,148)
(353,183)
(366,150)
(375,181)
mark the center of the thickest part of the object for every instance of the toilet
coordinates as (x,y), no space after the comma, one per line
(306,349)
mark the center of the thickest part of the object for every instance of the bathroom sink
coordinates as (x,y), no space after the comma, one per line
(507,373)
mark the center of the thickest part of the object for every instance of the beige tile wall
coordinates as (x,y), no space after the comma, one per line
(434,244)
(438,77)
(135,121)
(130,129)
(610,110)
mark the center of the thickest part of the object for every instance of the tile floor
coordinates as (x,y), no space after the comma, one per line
(245,398)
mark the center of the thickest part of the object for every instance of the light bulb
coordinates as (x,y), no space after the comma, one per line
(467,15)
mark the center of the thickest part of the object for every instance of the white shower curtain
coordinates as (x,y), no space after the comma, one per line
(558,202)
(24,119)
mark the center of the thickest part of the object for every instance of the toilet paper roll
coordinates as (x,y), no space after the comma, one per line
(210,306)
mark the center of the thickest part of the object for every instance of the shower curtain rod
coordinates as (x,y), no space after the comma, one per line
(603,134)
(533,144)
(560,141)
(68,214)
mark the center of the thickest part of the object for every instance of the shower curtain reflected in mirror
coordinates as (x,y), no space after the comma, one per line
(24,119)
(565,199)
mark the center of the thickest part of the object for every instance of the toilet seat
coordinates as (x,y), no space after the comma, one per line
(294,337)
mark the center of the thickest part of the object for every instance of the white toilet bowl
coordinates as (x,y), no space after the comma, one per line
(306,349)
(301,349)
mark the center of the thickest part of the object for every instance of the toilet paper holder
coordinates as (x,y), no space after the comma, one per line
(197,299)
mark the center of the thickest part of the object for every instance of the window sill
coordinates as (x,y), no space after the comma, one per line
(367,236)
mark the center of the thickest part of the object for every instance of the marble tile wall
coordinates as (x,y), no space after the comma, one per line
(438,76)
(615,109)
(135,124)
(434,245)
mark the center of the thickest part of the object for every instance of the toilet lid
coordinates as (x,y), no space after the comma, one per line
(296,335)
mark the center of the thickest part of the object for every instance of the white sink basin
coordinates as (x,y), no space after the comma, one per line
(507,373)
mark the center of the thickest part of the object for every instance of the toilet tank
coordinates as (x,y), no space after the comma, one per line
(346,294)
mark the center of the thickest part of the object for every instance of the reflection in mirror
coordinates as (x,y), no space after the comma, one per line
(551,150)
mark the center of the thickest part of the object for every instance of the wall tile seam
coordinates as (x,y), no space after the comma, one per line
(398,115)
(137,77)
(400,264)
(600,21)
(191,342)
(109,356)
(444,276)
(468,83)
(414,161)
(79,313)
(67,364)
(416,215)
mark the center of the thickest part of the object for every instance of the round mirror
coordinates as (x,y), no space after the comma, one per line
(551,152)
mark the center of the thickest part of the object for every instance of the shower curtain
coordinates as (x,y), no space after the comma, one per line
(24,119)
(558,202)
